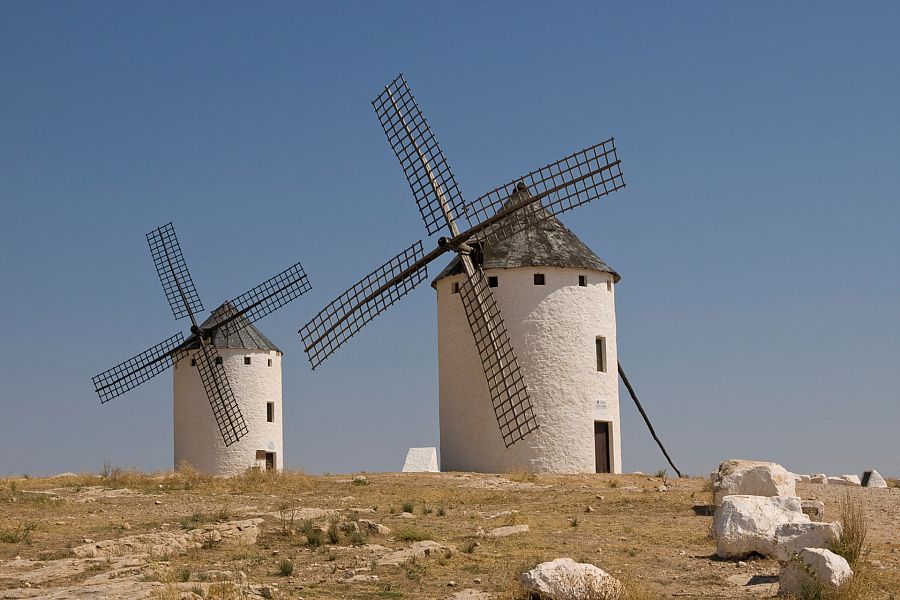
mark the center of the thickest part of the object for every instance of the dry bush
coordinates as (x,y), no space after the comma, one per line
(851,543)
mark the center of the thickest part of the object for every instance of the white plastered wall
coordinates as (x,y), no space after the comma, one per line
(197,437)
(553,329)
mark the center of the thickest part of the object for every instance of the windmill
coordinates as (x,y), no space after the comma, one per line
(470,227)
(231,320)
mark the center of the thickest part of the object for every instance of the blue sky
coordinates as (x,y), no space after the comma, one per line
(757,239)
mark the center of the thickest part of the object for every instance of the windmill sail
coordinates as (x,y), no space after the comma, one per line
(265,298)
(551,190)
(368,298)
(509,396)
(136,370)
(173,272)
(427,172)
(221,398)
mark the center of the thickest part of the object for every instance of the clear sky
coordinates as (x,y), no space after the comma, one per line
(758,238)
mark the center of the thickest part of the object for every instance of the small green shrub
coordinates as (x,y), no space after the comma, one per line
(441,511)
(21,534)
(285,567)
(411,534)
(407,507)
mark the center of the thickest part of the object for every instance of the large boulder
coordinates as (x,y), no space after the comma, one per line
(844,480)
(791,538)
(565,579)
(750,477)
(813,568)
(744,524)
(873,479)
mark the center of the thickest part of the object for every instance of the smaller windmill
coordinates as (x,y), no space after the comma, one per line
(231,319)
(508,209)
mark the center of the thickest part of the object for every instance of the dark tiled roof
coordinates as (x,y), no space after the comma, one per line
(547,243)
(246,337)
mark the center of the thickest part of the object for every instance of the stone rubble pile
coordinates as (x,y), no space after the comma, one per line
(758,511)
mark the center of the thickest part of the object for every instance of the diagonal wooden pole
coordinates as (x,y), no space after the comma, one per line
(646,418)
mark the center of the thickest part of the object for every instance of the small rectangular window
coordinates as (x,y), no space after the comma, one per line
(193,362)
(492,281)
(455,287)
(539,279)
(582,280)
(246,360)
(601,354)
(270,362)
(609,285)
(218,360)
(270,412)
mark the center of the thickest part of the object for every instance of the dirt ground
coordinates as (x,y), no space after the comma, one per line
(651,539)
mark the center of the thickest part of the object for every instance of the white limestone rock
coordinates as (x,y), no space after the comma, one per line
(507,531)
(791,538)
(874,479)
(843,480)
(421,460)
(743,524)
(415,551)
(564,578)
(814,508)
(805,479)
(819,478)
(749,477)
(810,567)
(851,479)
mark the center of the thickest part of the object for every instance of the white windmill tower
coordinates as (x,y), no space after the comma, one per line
(252,364)
(227,380)
(558,302)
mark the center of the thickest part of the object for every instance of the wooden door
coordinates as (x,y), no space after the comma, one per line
(601,446)
(270,461)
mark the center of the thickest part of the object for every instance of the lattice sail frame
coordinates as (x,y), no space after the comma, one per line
(575,180)
(268,297)
(355,308)
(136,370)
(221,398)
(509,395)
(173,271)
(414,143)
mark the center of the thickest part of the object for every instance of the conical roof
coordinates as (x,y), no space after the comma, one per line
(545,243)
(247,337)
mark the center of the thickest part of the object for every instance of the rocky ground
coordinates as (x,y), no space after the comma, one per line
(385,535)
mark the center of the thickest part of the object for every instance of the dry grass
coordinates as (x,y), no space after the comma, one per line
(852,541)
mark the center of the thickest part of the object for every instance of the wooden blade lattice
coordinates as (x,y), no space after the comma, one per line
(368,298)
(509,395)
(563,185)
(173,272)
(136,370)
(422,159)
(267,297)
(218,390)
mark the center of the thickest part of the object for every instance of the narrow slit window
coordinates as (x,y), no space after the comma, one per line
(539,279)
(455,287)
(492,281)
(246,360)
(601,354)
(582,280)
(218,360)
(609,285)
(270,412)
(193,362)
(270,362)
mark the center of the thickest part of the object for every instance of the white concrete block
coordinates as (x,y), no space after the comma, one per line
(421,460)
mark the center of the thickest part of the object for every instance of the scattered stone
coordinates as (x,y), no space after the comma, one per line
(421,460)
(164,544)
(405,515)
(805,479)
(417,550)
(126,526)
(360,480)
(813,567)
(157,502)
(754,478)
(815,509)
(499,532)
(873,479)
(745,524)
(565,578)
(451,584)
(844,480)
(588,509)
(373,527)
(477,581)
(820,478)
